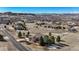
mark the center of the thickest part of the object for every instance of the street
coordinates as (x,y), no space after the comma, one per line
(11,39)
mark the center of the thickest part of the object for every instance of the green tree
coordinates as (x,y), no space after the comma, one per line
(58,39)
(24,23)
(28,33)
(23,26)
(49,42)
(23,34)
(1,38)
(46,38)
(20,35)
(50,33)
(41,41)
(52,39)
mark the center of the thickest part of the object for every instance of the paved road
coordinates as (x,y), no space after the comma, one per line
(19,46)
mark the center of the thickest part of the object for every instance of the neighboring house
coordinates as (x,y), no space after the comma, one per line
(19,25)
(71,23)
(73,29)
(36,37)
(19,28)
(4,19)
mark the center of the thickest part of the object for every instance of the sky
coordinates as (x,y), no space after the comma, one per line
(40,9)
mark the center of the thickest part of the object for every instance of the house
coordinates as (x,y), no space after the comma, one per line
(36,37)
(20,25)
(73,29)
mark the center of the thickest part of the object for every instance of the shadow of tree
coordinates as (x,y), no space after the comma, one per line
(62,45)
(63,41)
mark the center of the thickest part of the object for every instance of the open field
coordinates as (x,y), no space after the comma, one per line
(69,40)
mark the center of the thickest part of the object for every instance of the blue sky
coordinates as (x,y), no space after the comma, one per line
(40,9)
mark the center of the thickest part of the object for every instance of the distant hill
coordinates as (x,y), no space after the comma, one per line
(43,17)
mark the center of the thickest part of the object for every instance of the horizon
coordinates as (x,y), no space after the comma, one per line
(40,10)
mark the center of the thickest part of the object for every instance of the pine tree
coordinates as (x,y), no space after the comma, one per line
(46,38)
(52,39)
(28,33)
(1,38)
(19,34)
(49,42)
(41,41)
(58,39)
(50,33)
